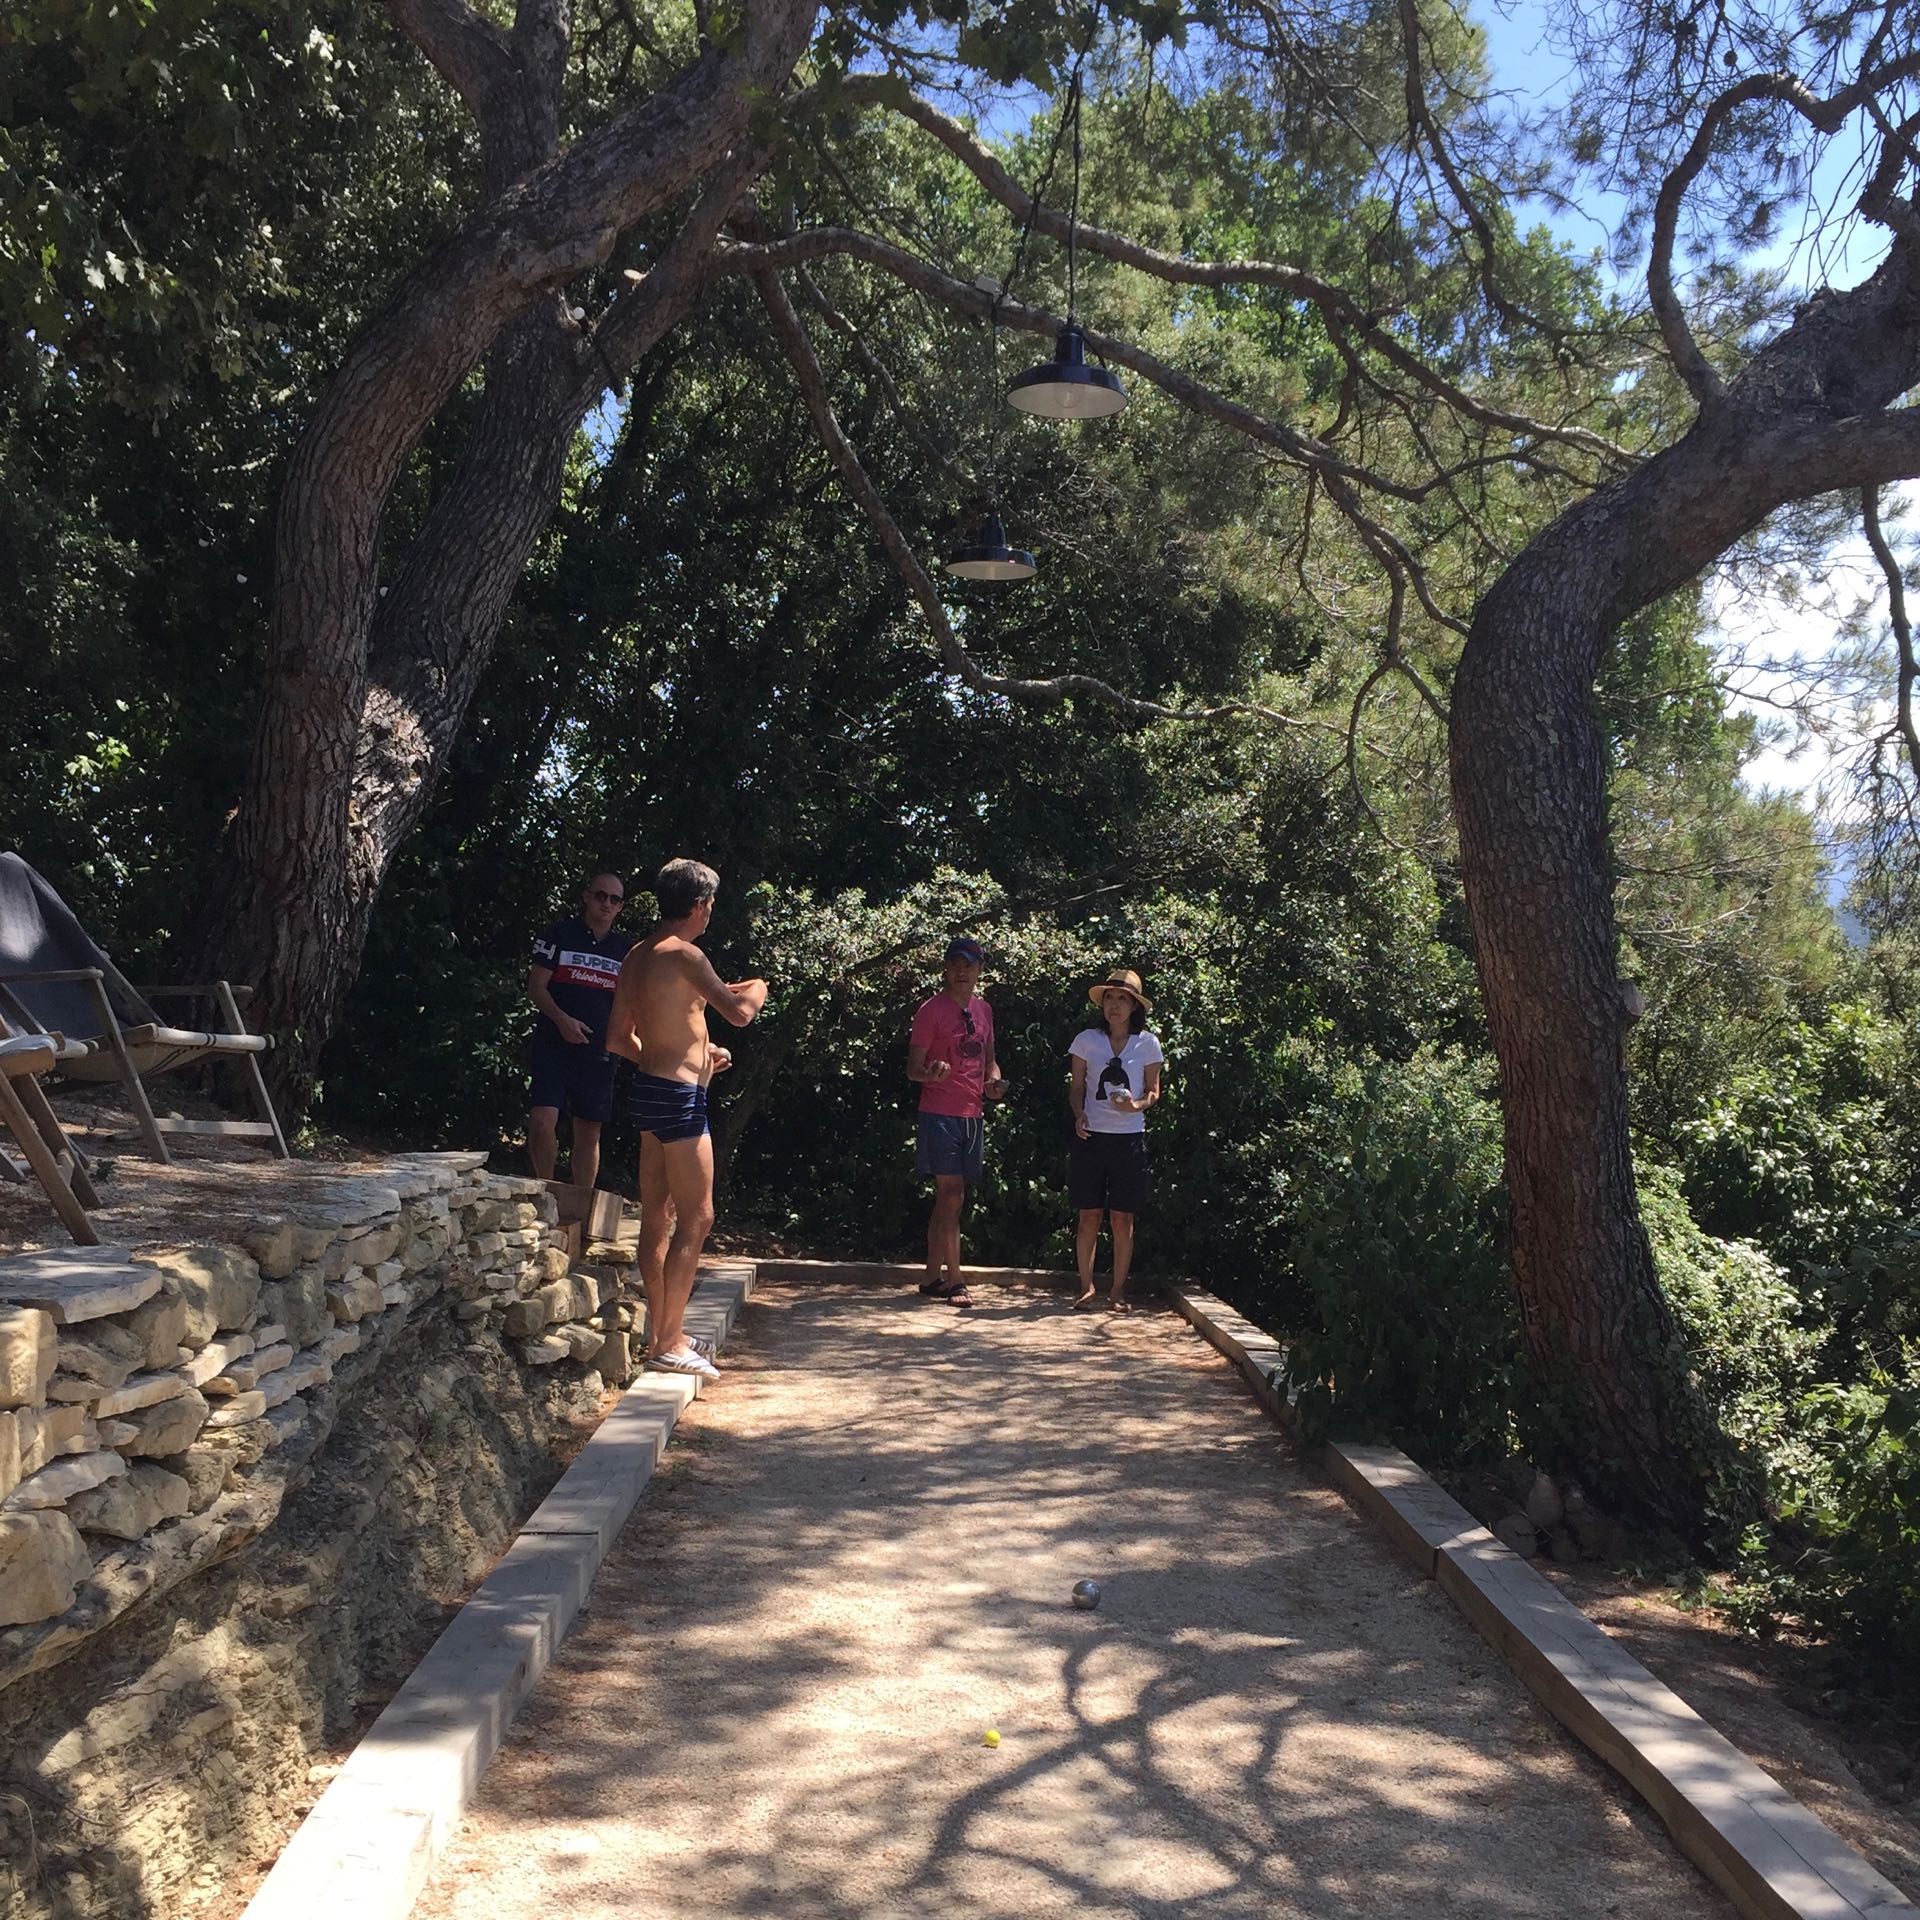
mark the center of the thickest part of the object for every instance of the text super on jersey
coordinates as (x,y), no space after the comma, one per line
(585,971)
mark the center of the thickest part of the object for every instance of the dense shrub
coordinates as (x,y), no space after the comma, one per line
(1797,1152)
(1844,1555)
(1400,1246)
(1752,1359)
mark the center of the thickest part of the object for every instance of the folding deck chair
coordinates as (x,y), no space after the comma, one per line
(27,1114)
(55,980)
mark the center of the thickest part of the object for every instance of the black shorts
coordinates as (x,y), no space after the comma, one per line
(1108,1170)
(577,1080)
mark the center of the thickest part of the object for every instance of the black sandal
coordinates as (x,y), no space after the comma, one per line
(954,1292)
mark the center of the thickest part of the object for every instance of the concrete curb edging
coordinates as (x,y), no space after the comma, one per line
(366,1848)
(1774,1858)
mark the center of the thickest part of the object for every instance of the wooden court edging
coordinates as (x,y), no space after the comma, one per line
(366,1848)
(1775,1859)
(1257,1354)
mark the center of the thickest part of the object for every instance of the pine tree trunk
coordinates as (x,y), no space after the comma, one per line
(1807,416)
(364,698)
(1530,775)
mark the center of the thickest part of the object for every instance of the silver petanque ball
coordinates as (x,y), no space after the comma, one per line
(1086,1593)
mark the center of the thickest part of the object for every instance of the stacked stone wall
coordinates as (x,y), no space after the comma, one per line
(240,1486)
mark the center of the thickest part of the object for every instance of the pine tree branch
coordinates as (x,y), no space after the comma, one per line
(954,655)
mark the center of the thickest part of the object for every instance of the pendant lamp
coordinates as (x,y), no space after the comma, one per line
(985,554)
(1066,387)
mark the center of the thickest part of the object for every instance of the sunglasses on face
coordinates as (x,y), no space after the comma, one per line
(601,894)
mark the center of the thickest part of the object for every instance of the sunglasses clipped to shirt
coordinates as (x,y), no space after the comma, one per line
(970,1048)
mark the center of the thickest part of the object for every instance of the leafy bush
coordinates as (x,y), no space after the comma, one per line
(1752,1359)
(1796,1153)
(1400,1244)
(1860,1574)
(1845,1558)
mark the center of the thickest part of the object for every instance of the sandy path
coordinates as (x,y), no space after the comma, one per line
(857,1559)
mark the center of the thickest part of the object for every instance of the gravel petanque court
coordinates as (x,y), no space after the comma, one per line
(857,1558)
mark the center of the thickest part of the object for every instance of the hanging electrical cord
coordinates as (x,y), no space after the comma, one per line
(986,554)
(1066,387)
(1073,206)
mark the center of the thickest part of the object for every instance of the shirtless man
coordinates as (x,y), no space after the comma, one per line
(659,1022)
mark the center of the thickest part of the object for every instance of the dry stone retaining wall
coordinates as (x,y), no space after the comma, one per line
(164,1406)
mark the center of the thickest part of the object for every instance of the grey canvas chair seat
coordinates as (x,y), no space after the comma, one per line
(28,1116)
(55,981)
(155,1048)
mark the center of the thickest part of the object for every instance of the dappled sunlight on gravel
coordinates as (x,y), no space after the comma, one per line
(857,1559)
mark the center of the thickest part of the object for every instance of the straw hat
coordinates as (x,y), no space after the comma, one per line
(1127,981)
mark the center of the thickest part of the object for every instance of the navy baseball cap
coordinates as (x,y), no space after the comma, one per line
(963,948)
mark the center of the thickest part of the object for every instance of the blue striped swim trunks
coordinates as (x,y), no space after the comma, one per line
(667,1109)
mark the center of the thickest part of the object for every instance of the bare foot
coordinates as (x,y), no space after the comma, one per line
(1117,1305)
(1081,1298)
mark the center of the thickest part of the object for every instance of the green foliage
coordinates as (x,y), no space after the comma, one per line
(1752,1359)
(1400,1245)
(1858,1574)
(1804,1153)
(198,206)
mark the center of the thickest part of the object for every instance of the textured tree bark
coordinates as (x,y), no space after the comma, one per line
(365,696)
(1812,412)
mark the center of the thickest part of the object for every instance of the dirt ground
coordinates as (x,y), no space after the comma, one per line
(1851,1759)
(857,1559)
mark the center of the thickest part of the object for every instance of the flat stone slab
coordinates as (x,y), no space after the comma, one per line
(345,1204)
(143,1390)
(79,1283)
(57,1483)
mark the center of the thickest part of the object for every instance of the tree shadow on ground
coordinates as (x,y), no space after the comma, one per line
(863,1559)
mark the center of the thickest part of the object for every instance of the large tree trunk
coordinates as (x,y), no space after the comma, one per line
(365,696)
(1530,793)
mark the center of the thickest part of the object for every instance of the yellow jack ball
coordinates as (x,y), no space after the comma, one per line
(993,1737)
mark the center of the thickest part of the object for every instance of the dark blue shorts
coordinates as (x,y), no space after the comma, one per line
(948,1144)
(667,1109)
(577,1080)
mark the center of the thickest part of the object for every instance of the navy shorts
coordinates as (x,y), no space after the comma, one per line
(948,1144)
(1108,1173)
(577,1080)
(667,1109)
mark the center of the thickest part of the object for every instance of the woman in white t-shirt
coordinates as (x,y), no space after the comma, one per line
(1116,1078)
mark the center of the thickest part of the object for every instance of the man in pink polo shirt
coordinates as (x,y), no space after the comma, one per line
(950,1055)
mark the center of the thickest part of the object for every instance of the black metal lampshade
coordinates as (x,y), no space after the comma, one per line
(985,555)
(1065,387)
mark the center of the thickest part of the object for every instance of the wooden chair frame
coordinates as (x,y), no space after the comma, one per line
(114,1040)
(27,1114)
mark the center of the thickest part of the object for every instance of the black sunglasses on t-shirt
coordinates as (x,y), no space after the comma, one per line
(970,1048)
